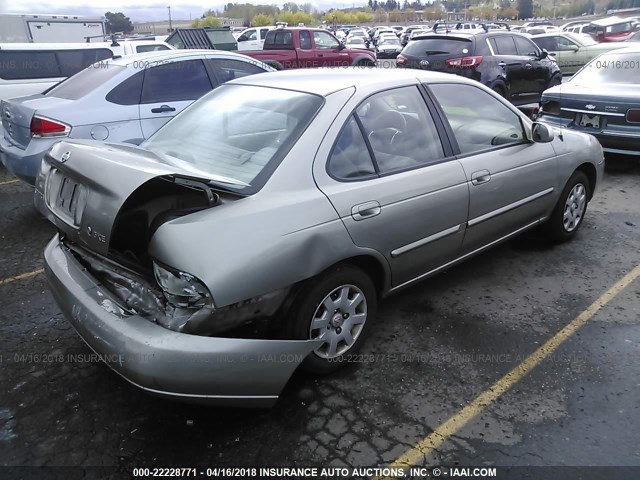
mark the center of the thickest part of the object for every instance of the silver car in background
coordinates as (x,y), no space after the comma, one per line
(124,99)
(258,230)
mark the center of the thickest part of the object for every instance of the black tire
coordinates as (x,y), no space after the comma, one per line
(556,228)
(365,63)
(274,64)
(555,81)
(308,305)
(500,90)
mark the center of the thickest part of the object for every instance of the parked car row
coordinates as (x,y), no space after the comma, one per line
(28,68)
(157,218)
(121,99)
(507,62)
(602,99)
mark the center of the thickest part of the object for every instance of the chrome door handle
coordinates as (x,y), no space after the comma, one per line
(502,64)
(478,178)
(365,210)
(528,66)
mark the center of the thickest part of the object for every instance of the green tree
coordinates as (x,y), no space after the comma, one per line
(262,20)
(290,7)
(525,9)
(208,21)
(118,22)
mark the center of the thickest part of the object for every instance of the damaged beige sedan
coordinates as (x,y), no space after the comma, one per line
(256,231)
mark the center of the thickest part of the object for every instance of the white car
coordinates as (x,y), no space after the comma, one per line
(30,68)
(253,38)
(120,100)
(356,42)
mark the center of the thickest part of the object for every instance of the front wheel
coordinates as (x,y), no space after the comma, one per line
(570,209)
(336,308)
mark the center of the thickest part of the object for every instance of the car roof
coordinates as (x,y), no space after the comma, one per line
(605,22)
(560,33)
(630,49)
(170,54)
(75,46)
(326,81)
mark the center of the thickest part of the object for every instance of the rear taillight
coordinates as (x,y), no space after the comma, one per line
(45,127)
(400,60)
(633,115)
(464,62)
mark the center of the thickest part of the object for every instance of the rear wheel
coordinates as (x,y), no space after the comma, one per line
(555,81)
(499,89)
(336,308)
(570,209)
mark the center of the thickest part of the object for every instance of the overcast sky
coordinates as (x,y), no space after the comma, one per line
(141,10)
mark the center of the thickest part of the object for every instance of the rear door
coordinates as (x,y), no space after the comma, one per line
(394,183)
(168,88)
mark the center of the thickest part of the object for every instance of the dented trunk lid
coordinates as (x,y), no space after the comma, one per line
(83,185)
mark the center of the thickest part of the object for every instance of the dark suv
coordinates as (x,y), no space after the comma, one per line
(507,62)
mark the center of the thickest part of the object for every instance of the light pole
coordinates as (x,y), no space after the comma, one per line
(170,27)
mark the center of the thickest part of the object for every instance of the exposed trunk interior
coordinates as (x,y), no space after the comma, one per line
(157,201)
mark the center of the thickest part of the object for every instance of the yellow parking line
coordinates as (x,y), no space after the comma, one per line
(22,276)
(8,182)
(416,455)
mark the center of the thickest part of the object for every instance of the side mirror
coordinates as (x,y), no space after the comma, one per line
(543,54)
(341,45)
(541,133)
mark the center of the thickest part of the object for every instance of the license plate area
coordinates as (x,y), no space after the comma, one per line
(65,197)
(589,121)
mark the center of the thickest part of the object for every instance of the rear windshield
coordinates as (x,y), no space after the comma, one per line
(237,134)
(86,81)
(389,41)
(610,68)
(25,64)
(438,46)
(278,40)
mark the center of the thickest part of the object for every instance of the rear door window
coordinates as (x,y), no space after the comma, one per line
(128,92)
(350,158)
(505,45)
(175,81)
(400,130)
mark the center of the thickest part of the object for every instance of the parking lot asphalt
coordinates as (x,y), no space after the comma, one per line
(433,349)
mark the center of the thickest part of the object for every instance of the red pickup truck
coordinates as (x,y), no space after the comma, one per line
(308,48)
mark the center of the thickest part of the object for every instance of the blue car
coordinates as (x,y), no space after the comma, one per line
(602,99)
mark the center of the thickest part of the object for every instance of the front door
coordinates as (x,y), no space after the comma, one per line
(511,180)
(329,51)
